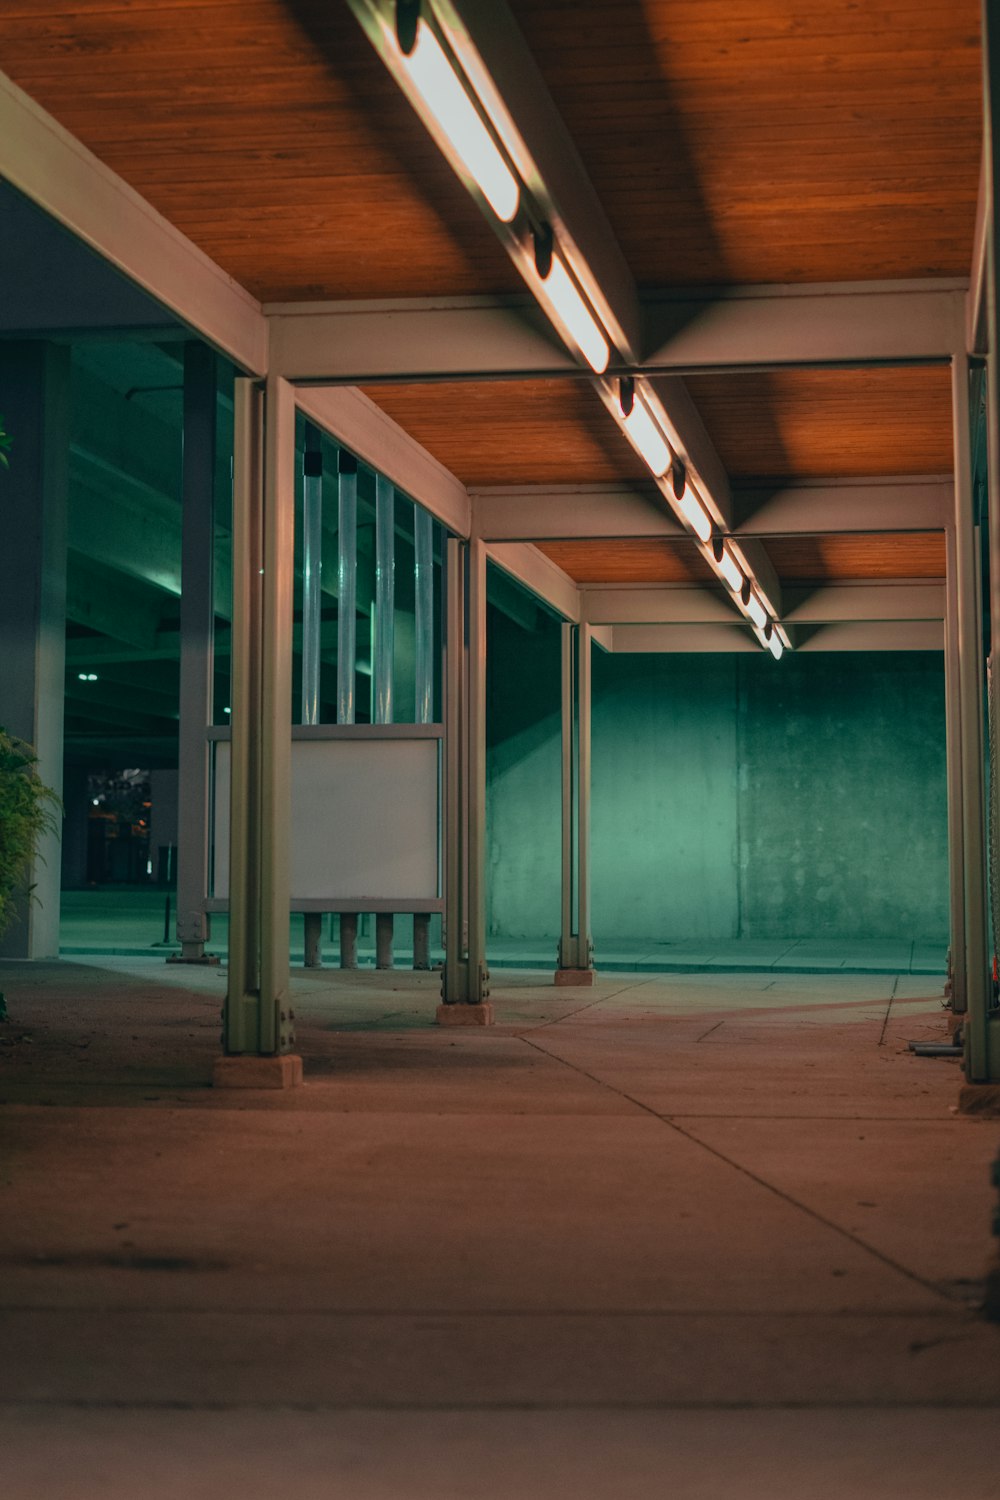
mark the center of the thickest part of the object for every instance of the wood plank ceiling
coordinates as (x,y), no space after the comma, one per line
(731,141)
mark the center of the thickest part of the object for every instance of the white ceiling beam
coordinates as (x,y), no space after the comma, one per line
(812,507)
(847,602)
(413,339)
(593,512)
(655,604)
(897,635)
(684,604)
(538,574)
(537,513)
(364,428)
(756,326)
(56,172)
(665,639)
(765,326)
(878,635)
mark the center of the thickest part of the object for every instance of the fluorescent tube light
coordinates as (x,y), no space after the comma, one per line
(447,101)
(694,514)
(774,645)
(646,438)
(572,315)
(728,567)
(756,611)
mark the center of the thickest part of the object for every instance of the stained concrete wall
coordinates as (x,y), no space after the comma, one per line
(732,796)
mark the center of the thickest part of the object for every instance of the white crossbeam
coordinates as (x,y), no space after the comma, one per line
(56,172)
(544,513)
(897,635)
(758,326)
(682,604)
(539,574)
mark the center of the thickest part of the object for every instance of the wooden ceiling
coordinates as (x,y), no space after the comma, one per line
(814,424)
(514,432)
(773,140)
(630,561)
(832,559)
(729,140)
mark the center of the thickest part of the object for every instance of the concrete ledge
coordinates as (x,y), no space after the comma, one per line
(578,978)
(982,1099)
(246,1072)
(460,1014)
(207,960)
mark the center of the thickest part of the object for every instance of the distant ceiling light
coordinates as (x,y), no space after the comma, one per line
(96,801)
(227,710)
(646,438)
(446,101)
(727,565)
(86,676)
(572,316)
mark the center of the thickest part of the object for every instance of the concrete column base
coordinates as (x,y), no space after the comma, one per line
(206,960)
(579,978)
(955,1024)
(461,1014)
(246,1072)
(982,1099)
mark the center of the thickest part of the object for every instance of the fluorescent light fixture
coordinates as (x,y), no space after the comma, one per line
(446,100)
(728,566)
(694,514)
(756,611)
(646,438)
(572,315)
(774,645)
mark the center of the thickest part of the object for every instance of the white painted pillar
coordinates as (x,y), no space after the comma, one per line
(977,979)
(259,1029)
(465,979)
(575,943)
(34,400)
(956,826)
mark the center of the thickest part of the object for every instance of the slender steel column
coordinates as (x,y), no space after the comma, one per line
(312,573)
(197,621)
(240,1026)
(259,1017)
(971,688)
(277,1021)
(575,944)
(384,625)
(423,562)
(953,729)
(347,585)
(465,981)
(423,548)
(477,767)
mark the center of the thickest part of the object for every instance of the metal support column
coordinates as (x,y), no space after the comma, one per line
(977,979)
(575,943)
(312,573)
(423,557)
(347,585)
(983,1039)
(197,620)
(465,980)
(956,827)
(258,1030)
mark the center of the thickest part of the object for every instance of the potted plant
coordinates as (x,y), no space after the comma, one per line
(27,810)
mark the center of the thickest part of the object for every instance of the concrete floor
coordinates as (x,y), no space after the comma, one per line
(130,921)
(703,1236)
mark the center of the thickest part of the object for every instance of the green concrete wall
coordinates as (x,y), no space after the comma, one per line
(733,796)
